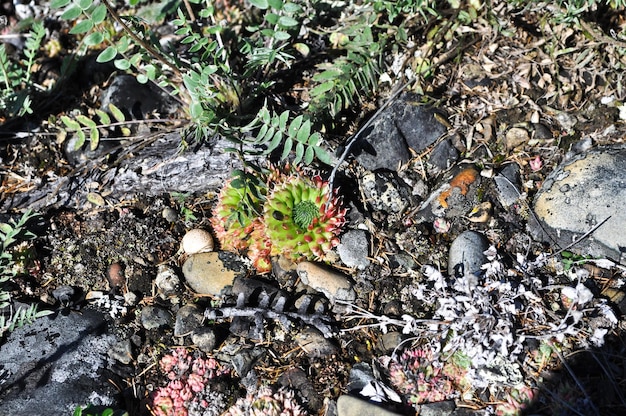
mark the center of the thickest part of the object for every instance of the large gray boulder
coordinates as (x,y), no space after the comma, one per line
(582,193)
(56,364)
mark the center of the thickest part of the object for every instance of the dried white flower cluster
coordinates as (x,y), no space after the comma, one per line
(487,316)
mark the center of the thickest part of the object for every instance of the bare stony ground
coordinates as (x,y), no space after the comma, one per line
(452,173)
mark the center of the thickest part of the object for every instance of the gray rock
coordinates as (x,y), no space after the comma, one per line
(170,214)
(154,317)
(188,318)
(466,254)
(64,294)
(454,197)
(354,249)
(438,409)
(508,185)
(56,364)
(352,406)
(444,155)
(204,338)
(581,194)
(541,131)
(388,342)
(135,99)
(384,191)
(121,351)
(407,123)
(167,281)
(516,136)
(314,344)
(360,375)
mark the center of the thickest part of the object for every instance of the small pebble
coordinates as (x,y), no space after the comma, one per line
(438,408)
(466,254)
(131,298)
(314,344)
(334,285)
(204,338)
(388,342)
(197,241)
(167,281)
(169,214)
(515,137)
(64,294)
(354,249)
(115,275)
(121,351)
(188,318)
(353,406)
(153,317)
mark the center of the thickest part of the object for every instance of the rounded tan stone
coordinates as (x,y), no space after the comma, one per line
(334,285)
(516,136)
(207,274)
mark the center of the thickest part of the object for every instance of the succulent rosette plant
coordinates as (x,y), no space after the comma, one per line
(303,217)
(231,223)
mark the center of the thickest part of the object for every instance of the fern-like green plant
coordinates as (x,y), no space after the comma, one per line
(12,233)
(15,76)
(352,76)
(86,129)
(270,132)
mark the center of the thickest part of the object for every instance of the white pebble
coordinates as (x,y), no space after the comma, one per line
(197,241)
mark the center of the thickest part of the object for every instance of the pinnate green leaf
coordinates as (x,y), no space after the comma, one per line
(303,133)
(286,21)
(117,113)
(286,148)
(57,4)
(280,35)
(103,116)
(107,55)
(321,88)
(84,4)
(71,13)
(261,4)
(309,154)
(71,124)
(80,141)
(295,126)
(299,153)
(99,14)
(85,121)
(122,64)
(322,155)
(94,38)
(94,137)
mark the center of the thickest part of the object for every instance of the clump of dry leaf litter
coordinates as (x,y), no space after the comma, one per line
(489,331)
